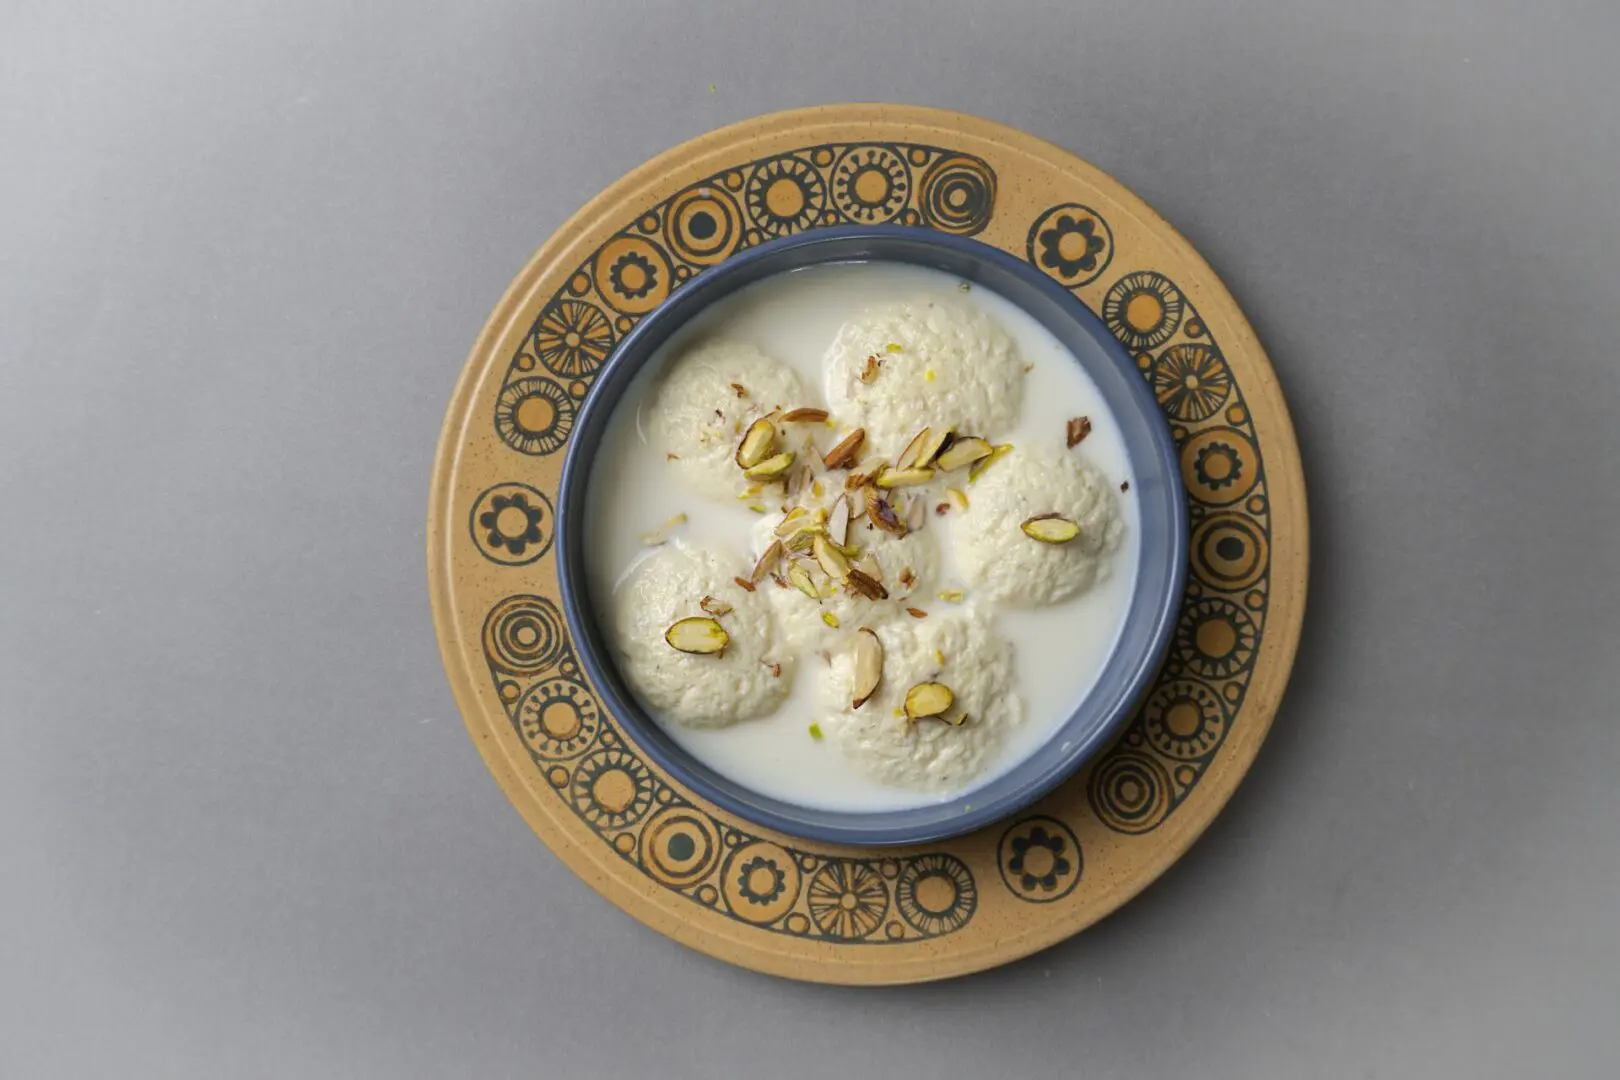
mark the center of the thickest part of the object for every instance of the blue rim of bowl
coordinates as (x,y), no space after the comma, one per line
(1158,477)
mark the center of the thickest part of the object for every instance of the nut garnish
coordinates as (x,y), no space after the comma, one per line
(958,496)
(756,444)
(1050,529)
(908,577)
(661,534)
(870,371)
(830,619)
(714,607)
(856,480)
(697,635)
(830,559)
(916,514)
(1077,430)
(744,584)
(952,596)
(792,521)
(767,561)
(996,454)
(804,416)
(893,478)
(955,721)
(942,509)
(842,455)
(909,456)
(866,585)
(771,468)
(742,391)
(928,699)
(800,577)
(883,515)
(964,450)
(838,521)
(868,666)
(916,613)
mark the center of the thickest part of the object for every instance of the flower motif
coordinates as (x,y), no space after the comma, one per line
(1218,465)
(1071,245)
(760,880)
(512,523)
(1038,860)
(633,275)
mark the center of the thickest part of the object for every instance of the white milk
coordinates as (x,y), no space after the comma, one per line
(1059,650)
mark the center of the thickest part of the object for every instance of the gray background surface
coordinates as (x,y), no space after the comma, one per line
(243,250)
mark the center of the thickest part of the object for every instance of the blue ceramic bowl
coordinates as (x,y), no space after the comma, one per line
(1161,537)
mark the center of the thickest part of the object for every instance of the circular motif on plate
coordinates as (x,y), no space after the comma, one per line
(632,273)
(703,225)
(958,195)
(870,184)
(1184,720)
(847,899)
(524,635)
(1039,859)
(1229,552)
(1191,382)
(935,893)
(612,789)
(512,524)
(1071,243)
(1130,792)
(1219,466)
(558,719)
(785,195)
(1215,638)
(573,337)
(760,882)
(534,416)
(1143,310)
(680,846)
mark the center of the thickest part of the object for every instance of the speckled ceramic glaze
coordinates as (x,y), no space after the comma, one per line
(704,874)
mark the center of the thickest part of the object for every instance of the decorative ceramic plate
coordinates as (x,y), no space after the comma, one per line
(719,883)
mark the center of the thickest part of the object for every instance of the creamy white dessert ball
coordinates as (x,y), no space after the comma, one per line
(705,404)
(700,691)
(958,647)
(907,364)
(1000,562)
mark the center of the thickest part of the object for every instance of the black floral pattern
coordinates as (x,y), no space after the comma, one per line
(1053,868)
(499,524)
(633,275)
(1082,253)
(1218,465)
(755,870)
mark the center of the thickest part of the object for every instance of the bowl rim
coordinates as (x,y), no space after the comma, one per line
(954,815)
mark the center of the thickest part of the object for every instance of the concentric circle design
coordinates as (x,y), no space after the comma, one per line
(559,719)
(1220,466)
(1143,310)
(847,899)
(524,635)
(1184,720)
(1191,382)
(632,273)
(870,184)
(958,195)
(1130,792)
(785,195)
(534,416)
(512,524)
(759,882)
(573,338)
(1071,243)
(703,225)
(1229,552)
(612,789)
(680,846)
(1039,859)
(1215,639)
(936,893)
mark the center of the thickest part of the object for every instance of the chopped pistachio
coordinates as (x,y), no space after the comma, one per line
(815,731)
(928,699)
(756,444)
(952,596)
(830,619)
(893,478)
(893,346)
(832,560)
(771,468)
(1050,529)
(696,635)
(995,455)
(800,578)
(964,450)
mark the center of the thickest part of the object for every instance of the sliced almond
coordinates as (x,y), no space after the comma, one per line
(771,468)
(791,522)
(916,514)
(893,478)
(963,451)
(866,585)
(1077,430)
(908,456)
(1050,529)
(883,515)
(799,577)
(995,455)
(830,558)
(842,455)
(756,444)
(868,666)
(714,607)
(804,416)
(856,480)
(767,560)
(928,699)
(697,635)
(838,520)
(931,447)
